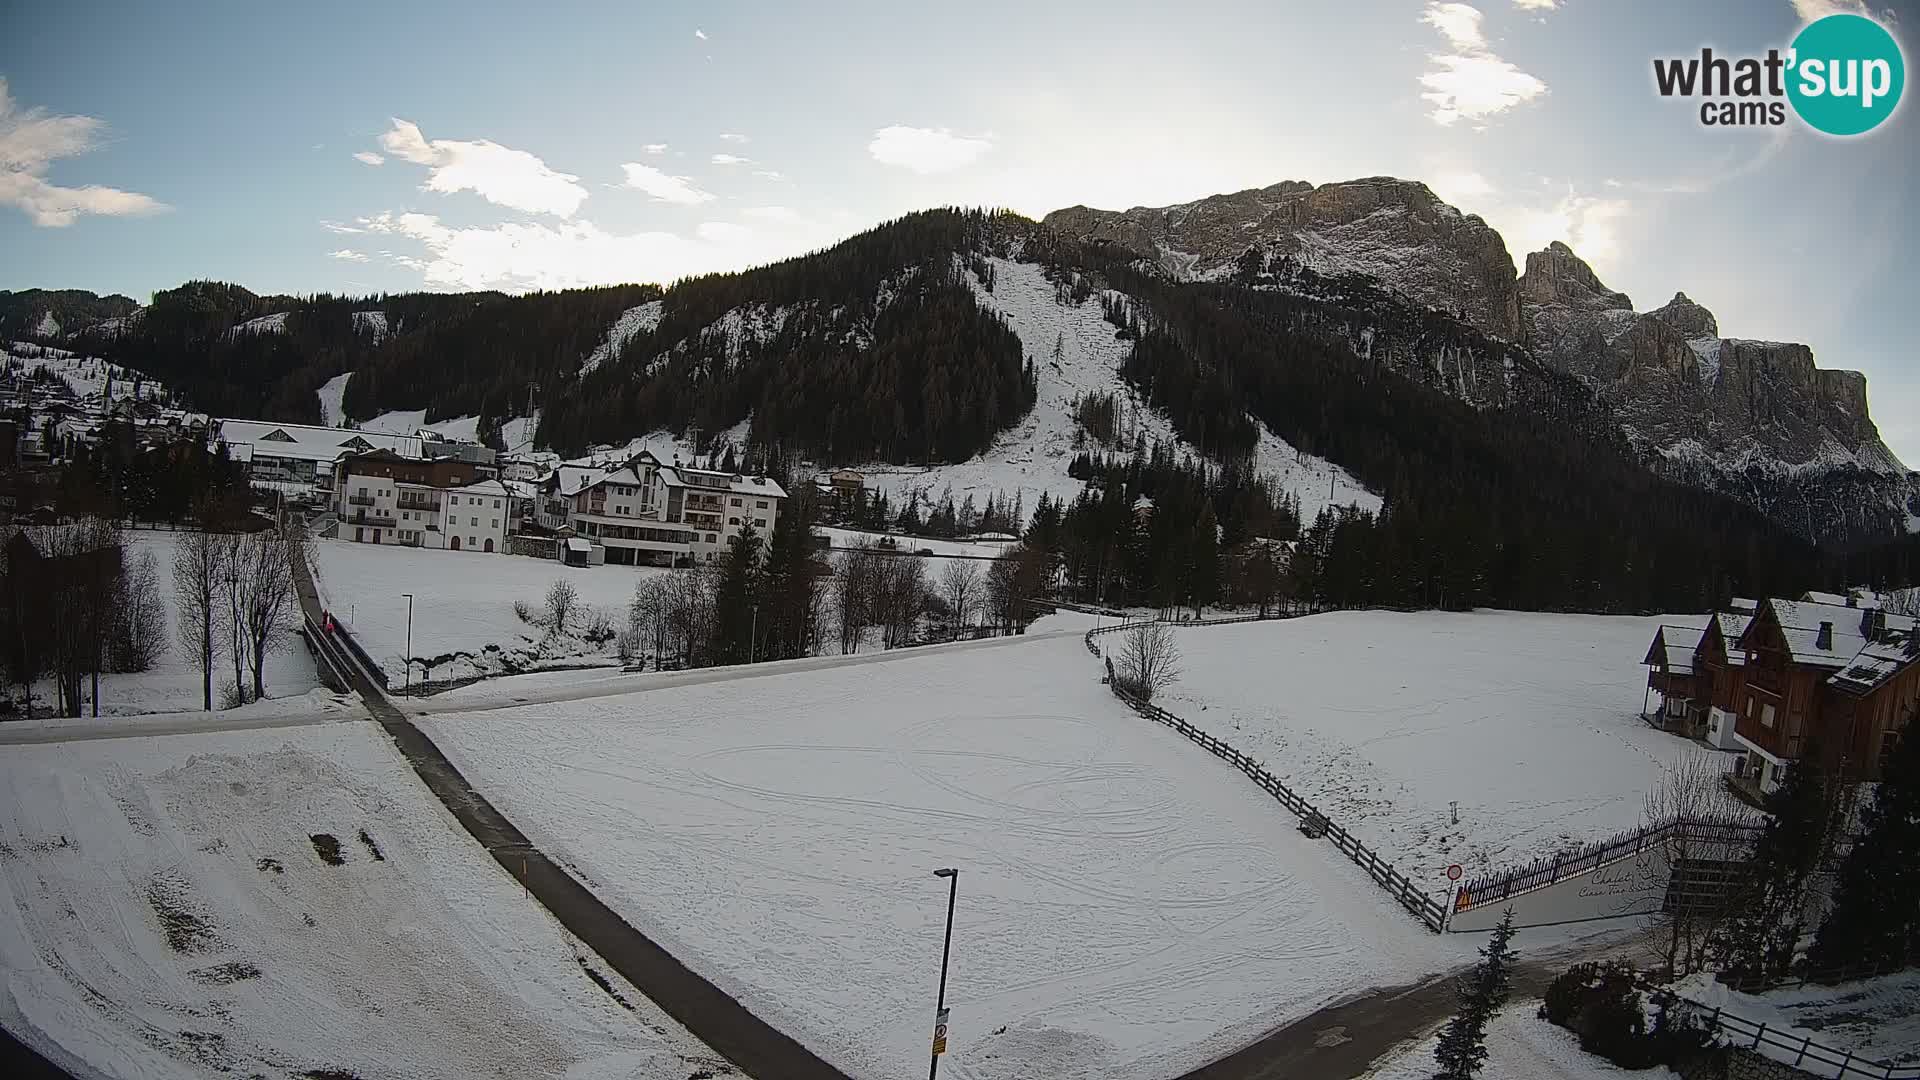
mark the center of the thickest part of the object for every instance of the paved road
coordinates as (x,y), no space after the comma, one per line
(713,1016)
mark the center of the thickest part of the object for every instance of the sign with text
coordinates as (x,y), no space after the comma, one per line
(940,1033)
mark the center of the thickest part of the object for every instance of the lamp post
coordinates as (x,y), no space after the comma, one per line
(940,1007)
(409,678)
(753,633)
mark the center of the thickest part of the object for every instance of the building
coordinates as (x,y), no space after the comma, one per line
(1672,672)
(298,459)
(1838,676)
(381,497)
(646,513)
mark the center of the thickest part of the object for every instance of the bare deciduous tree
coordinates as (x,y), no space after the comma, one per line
(267,601)
(1149,660)
(197,574)
(140,618)
(854,582)
(1693,795)
(960,587)
(562,601)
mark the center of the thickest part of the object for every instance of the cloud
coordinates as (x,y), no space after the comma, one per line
(730,159)
(30,142)
(498,174)
(348,255)
(1589,224)
(1470,81)
(732,137)
(1536,5)
(926,150)
(769,174)
(339,227)
(672,189)
(1460,185)
(368,157)
(784,215)
(1811,10)
(655,148)
(701,34)
(536,255)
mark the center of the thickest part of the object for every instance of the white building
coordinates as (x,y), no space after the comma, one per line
(383,498)
(648,513)
(298,458)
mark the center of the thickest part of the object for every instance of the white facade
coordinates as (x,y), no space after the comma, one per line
(650,513)
(382,510)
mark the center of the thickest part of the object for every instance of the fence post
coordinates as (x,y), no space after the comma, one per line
(1713,1022)
(1801,1056)
(1759,1034)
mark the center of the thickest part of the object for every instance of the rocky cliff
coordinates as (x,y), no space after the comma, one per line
(1755,419)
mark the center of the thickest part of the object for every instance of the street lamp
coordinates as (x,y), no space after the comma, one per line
(940,1008)
(408,685)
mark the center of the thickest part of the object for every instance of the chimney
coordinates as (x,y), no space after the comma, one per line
(1853,599)
(1824,642)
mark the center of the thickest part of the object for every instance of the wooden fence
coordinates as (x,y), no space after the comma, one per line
(1501,885)
(1423,907)
(1799,1052)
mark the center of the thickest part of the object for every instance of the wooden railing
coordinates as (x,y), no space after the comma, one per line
(1799,1052)
(1431,912)
(1502,885)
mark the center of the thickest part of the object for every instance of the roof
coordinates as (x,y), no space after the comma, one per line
(1673,648)
(482,487)
(759,486)
(573,479)
(1880,660)
(310,443)
(1812,597)
(1800,623)
(1732,624)
(575,543)
(1743,605)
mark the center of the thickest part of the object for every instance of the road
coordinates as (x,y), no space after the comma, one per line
(755,1047)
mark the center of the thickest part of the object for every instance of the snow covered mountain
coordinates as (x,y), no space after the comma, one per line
(1751,419)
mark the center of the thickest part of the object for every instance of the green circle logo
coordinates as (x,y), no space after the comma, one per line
(1846,74)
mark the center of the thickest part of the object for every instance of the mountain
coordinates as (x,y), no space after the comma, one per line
(1758,421)
(50,313)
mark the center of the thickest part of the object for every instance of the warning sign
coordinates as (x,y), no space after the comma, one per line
(940,1033)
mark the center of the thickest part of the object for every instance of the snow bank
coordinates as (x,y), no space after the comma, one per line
(1382,719)
(1520,1046)
(164,913)
(1127,909)
(1873,1018)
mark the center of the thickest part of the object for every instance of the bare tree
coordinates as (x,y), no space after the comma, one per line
(1149,660)
(562,601)
(197,573)
(140,616)
(960,587)
(899,599)
(854,582)
(268,601)
(1696,899)
(1903,602)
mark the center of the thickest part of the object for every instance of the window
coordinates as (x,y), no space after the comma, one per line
(496,504)
(760,504)
(473,521)
(733,521)
(760,522)
(363,490)
(1766,716)
(734,502)
(453,500)
(1750,706)
(711,540)
(496,523)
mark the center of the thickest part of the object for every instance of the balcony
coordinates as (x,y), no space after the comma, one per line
(360,500)
(419,504)
(380,518)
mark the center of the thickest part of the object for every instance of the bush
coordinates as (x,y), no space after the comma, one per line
(525,612)
(1601,1004)
(599,629)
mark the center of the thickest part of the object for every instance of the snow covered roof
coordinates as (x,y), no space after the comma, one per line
(1880,660)
(1800,623)
(309,442)
(483,487)
(575,543)
(758,486)
(1743,605)
(1812,597)
(1673,648)
(1732,624)
(573,479)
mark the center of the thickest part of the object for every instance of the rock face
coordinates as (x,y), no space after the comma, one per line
(1397,231)
(1753,419)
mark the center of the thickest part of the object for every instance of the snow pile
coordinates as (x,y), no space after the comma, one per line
(1520,1046)
(373,323)
(286,903)
(1530,722)
(275,323)
(332,393)
(631,323)
(463,619)
(1126,909)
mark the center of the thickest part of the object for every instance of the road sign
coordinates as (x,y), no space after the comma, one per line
(1454,872)
(940,1033)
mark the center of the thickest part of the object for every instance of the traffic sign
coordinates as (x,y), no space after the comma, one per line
(940,1034)
(1454,872)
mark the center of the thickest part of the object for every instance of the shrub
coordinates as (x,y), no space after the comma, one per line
(599,629)
(525,612)
(1601,1004)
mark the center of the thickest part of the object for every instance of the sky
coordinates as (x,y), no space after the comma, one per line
(362,148)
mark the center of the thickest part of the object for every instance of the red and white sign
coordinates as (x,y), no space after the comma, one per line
(1454,872)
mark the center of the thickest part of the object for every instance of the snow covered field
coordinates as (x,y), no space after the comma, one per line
(1874,1018)
(165,912)
(462,604)
(1520,1046)
(1127,906)
(1529,721)
(173,683)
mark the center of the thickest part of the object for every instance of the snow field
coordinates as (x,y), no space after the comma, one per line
(1382,719)
(1128,907)
(462,604)
(165,913)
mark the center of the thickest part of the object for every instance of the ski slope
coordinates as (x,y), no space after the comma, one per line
(165,913)
(1076,354)
(1127,908)
(1382,719)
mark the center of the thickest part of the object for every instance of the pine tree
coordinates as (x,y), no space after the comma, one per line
(1876,906)
(735,600)
(1203,560)
(1463,1045)
(1759,941)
